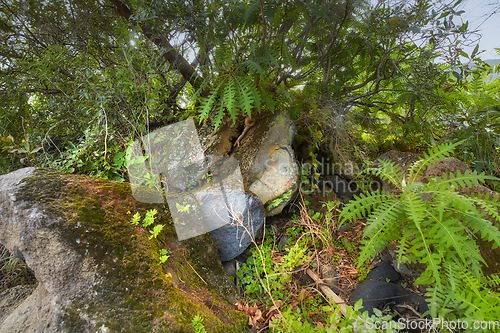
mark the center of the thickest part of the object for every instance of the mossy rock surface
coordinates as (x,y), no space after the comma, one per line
(102,271)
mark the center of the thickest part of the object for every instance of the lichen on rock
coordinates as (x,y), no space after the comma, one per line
(96,271)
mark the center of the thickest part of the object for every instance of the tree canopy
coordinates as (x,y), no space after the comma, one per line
(80,72)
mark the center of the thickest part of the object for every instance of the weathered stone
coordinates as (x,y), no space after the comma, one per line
(265,156)
(221,206)
(246,215)
(378,291)
(12,297)
(99,273)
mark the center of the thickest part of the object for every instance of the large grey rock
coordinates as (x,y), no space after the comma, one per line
(265,155)
(220,205)
(205,193)
(97,272)
(234,237)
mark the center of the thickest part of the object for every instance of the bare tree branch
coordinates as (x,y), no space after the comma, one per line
(187,71)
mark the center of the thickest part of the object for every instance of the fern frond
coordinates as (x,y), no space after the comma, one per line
(433,261)
(208,103)
(449,238)
(219,115)
(253,66)
(415,208)
(388,171)
(464,209)
(267,100)
(404,247)
(483,227)
(467,179)
(251,10)
(204,84)
(380,228)
(431,157)
(255,92)
(386,213)
(229,99)
(361,206)
(493,281)
(490,205)
(246,101)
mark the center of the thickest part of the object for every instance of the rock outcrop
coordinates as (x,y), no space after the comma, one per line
(265,155)
(96,271)
(379,291)
(205,193)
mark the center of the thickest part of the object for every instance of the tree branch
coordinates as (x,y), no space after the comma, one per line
(187,71)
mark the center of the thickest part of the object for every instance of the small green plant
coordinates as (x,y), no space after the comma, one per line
(164,255)
(197,323)
(432,224)
(13,271)
(266,278)
(149,220)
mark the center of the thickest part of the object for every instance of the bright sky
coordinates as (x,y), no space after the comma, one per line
(484,15)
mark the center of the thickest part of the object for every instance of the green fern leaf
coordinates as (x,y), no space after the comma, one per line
(415,208)
(359,208)
(256,96)
(388,171)
(149,218)
(490,205)
(204,84)
(136,219)
(467,179)
(246,102)
(435,153)
(267,100)
(251,10)
(219,115)
(207,104)
(379,229)
(229,99)
(253,66)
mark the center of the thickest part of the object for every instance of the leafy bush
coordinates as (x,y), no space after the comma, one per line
(241,89)
(435,225)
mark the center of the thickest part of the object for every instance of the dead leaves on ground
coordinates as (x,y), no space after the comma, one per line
(259,318)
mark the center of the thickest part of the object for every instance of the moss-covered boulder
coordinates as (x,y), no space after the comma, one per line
(96,271)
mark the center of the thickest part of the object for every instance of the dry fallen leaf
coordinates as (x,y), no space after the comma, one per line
(253,312)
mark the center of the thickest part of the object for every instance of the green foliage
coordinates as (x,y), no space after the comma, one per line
(13,271)
(197,323)
(266,279)
(164,255)
(473,116)
(432,224)
(148,221)
(240,89)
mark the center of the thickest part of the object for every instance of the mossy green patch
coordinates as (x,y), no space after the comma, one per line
(281,200)
(135,294)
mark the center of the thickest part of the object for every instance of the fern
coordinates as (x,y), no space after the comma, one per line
(242,89)
(434,225)
(431,157)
